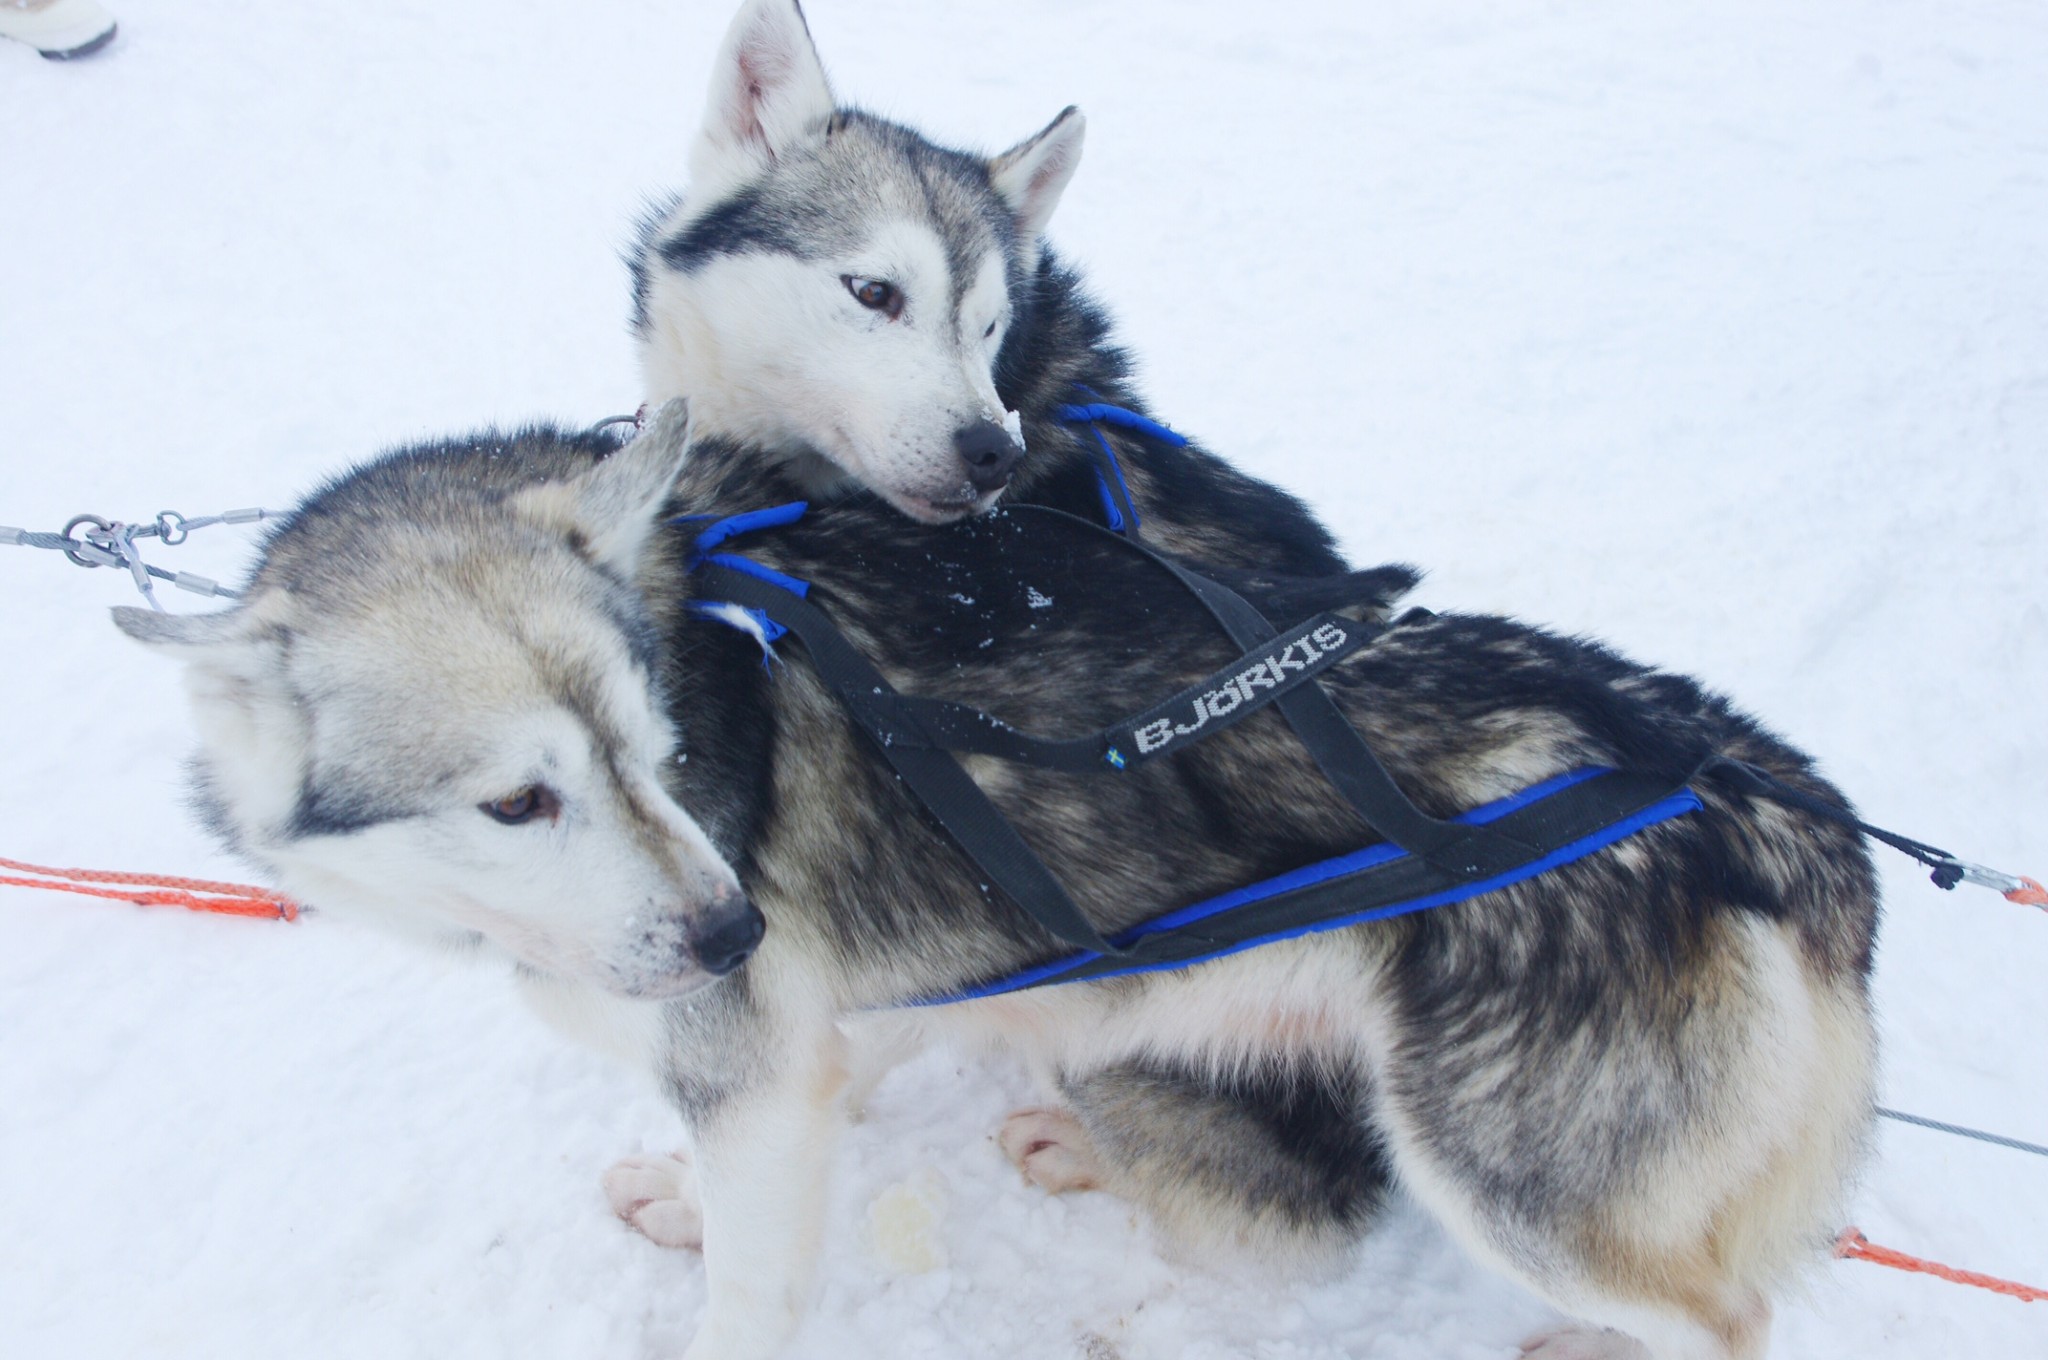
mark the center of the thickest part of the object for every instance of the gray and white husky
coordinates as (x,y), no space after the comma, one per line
(464,693)
(873,310)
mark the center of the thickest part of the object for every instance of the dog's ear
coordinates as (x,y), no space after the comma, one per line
(181,632)
(253,727)
(1033,174)
(768,96)
(230,651)
(614,507)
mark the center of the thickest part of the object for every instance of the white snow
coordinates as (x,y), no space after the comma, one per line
(1719,331)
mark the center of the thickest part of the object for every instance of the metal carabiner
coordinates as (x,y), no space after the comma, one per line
(170,528)
(104,526)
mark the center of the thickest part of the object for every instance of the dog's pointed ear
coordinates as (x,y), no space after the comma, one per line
(614,508)
(236,655)
(253,728)
(1033,174)
(768,96)
(182,632)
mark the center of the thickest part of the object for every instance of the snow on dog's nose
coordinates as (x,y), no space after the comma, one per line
(989,453)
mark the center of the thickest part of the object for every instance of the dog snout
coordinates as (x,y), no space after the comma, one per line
(989,452)
(730,934)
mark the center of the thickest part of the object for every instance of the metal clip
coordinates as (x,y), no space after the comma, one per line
(100,556)
(1967,872)
(90,541)
(2013,887)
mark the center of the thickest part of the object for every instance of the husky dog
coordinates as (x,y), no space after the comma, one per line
(864,309)
(465,692)
(867,309)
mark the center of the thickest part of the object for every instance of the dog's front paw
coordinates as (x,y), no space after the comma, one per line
(1576,1341)
(658,1195)
(1052,1150)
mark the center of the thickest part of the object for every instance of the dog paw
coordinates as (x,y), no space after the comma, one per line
(1052,1150)
(658,1195)
(1576,1341)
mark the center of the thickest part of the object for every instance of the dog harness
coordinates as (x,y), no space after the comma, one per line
(1422,862)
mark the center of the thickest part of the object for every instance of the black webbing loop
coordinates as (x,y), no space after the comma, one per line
(1948,870)
(934,776)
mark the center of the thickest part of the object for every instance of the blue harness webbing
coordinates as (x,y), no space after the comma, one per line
(1303,893)
(1119,511)
(729,527)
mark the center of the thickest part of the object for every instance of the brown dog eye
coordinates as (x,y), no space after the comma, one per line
(876,295)
(516,809)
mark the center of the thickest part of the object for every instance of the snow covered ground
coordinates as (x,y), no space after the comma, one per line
(1720,331)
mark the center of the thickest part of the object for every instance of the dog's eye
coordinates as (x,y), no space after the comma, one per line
(537,800)
(875,295)
(990,332)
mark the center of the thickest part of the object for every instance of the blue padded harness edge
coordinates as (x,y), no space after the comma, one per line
(1306,893)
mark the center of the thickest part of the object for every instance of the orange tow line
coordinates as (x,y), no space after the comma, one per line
(156,890)
(1854,1246)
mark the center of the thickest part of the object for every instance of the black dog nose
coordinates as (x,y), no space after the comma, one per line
(729,937)
(989,452)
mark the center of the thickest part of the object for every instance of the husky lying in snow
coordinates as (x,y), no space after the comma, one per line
(865,308)
(463,695)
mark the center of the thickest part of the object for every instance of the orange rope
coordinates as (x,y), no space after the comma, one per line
(158,890)
(2031,894)
(1854,1246)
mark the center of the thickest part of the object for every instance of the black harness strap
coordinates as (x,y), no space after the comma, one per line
(1948,870)
(1467,852)
(1339,752)
(917,736)
(933,775)
(1265,674)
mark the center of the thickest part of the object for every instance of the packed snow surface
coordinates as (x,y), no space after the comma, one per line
(1719,331)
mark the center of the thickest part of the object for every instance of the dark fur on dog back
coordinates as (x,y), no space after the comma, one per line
(1193,502)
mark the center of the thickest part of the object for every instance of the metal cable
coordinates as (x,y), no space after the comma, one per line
(1962,1132)
(91,541)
